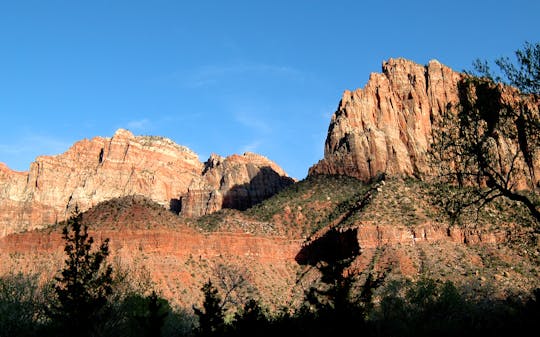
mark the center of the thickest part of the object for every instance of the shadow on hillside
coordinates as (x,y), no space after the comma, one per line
(175,205)
(332,247)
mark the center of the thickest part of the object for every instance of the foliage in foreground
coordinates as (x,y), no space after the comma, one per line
(424,308)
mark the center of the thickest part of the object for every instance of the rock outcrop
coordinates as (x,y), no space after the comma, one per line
(236,182)
(92,171)
(386,127)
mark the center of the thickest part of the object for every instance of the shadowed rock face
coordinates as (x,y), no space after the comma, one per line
(92,171)
(386,127)
(237,182)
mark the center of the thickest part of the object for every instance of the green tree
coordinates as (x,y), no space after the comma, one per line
(211,315)
(84,284)
(491,142)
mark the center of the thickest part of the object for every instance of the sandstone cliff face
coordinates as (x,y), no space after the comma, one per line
(386,127)
(92,171)
(234,182)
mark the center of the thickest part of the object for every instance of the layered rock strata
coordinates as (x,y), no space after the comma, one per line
(92,171)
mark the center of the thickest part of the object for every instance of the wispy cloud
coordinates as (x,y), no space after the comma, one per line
(33,143)
(138,125)
(250,120)
(20,153)
(251,147)
(213,74)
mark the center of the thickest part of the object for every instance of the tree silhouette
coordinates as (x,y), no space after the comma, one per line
(251,320)
(84,283)
(490,142)
(211,315)
(154,318)
(525,75)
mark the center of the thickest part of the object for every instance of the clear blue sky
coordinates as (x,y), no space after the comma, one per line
(221,76)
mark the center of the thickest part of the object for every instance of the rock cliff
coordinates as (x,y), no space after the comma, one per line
(92,171)
(234,182)
(386,127)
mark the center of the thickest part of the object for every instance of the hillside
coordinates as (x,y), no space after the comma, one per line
(402,232)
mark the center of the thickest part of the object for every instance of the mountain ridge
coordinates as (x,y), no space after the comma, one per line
(99,169)
(388,126)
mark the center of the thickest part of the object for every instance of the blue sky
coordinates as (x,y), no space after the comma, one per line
(221,76)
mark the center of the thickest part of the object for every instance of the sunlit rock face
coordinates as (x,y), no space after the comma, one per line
(387,127)
(95,170)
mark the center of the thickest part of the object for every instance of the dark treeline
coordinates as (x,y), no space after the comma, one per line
(424,308)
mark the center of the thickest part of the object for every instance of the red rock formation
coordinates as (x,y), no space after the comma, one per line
(386,127)
(178,260)
(92,171)
(234,182)
(178,255)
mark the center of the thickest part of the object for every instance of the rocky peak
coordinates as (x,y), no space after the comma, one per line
(213,161)
(238,181)
(123,134)
(386,126)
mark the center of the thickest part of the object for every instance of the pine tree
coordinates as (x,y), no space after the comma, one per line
(154,318)
(211,315)
(84,284)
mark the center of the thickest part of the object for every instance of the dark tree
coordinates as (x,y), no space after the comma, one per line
(211,315)
(491,142)
(85,282)
(154,318)
(21,305)
(236,289)
(251,320)
(525,75)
